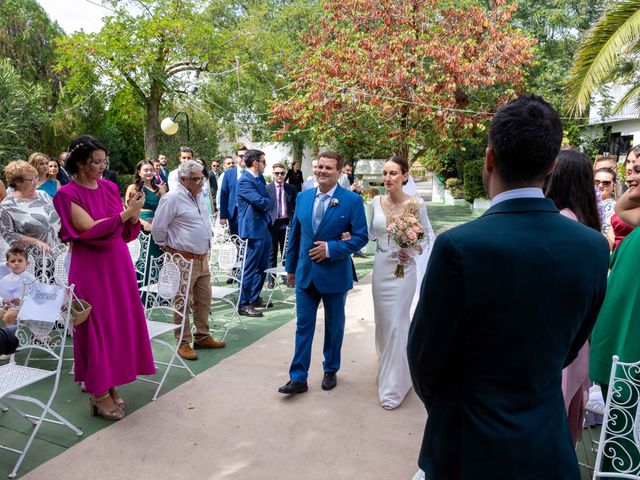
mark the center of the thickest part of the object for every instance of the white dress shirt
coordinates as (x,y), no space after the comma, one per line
(531,192)
(172,180)
(182,222)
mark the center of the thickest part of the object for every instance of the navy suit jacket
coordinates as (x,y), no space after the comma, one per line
(507,301)
(228,194)
(63,176)
(290,194)
(253,207)
(345,213)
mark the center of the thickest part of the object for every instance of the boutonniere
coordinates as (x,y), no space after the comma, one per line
(334,202)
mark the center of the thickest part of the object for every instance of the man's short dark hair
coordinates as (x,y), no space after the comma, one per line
(252,156)
(525,136)
(278,165)
(186,149)
(335,156)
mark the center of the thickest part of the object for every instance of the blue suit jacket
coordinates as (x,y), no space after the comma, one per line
(228,193)
(254,205)
(345,213)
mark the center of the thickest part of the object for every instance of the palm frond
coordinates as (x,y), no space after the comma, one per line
(616,30)
(632,96)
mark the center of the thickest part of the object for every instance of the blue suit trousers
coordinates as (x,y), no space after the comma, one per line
(257,261)
(307,301)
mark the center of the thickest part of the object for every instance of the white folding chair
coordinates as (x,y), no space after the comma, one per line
(226,262)
(45,333)
(220,232)
(167,297)
(279,273)
(619,444)
(139,251)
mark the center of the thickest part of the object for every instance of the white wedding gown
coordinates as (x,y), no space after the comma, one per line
(393,300)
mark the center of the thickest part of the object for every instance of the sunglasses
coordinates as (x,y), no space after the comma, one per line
(605,183)
(278,173)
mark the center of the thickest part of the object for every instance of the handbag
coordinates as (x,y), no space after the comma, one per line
(80,310)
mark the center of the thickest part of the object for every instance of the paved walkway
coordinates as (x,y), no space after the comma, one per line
(230,423)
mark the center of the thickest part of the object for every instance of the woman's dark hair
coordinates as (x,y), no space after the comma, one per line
(402,163)
(80,150)
(635,150)
(571,186)
(138,181)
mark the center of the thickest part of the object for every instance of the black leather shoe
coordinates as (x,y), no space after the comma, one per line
(329,381)
(261,304)
(360,255)
(271,285)
(291,388)
(230,281)
(249,312)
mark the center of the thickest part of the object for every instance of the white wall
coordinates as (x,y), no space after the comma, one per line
(274,152)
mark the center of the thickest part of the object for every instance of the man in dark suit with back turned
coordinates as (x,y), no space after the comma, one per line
(508,300)
(283,196)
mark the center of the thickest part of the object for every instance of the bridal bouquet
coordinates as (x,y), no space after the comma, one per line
(407,232)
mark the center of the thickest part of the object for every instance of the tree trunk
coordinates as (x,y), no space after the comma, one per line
(151,130)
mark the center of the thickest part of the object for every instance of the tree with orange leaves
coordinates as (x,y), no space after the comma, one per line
(405,74)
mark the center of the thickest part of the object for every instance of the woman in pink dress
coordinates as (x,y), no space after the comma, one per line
(570,186)
(112,347)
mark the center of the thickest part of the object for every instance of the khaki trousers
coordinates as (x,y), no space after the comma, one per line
(200,300)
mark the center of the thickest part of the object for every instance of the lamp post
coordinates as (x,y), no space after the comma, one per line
(170,127)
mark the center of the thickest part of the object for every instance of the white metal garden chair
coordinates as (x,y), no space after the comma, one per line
(42,328)
(278,273)
(139,251)
(226,262)
(170,276)
(619,444)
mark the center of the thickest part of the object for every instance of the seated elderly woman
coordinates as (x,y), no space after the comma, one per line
(27,217)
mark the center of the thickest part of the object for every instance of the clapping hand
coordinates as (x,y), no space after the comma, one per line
(345,236)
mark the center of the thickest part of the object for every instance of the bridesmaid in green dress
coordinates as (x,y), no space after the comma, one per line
(617,331)
(145,182)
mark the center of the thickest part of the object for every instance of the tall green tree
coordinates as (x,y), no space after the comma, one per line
(608,54)
(151,47)
(558,28)
(20,112)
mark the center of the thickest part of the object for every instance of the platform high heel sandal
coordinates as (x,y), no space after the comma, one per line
(114,414)
(117,399)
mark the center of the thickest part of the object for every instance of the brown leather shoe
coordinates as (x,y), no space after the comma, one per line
(208,342)
(186,352)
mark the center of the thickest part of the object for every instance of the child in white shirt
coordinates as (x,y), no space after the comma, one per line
(12,285)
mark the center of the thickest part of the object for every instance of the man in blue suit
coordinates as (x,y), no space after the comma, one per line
(508,300)
(319,264)
(228,197)
(254,206)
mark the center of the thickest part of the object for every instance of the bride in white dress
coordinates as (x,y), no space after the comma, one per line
(392,296)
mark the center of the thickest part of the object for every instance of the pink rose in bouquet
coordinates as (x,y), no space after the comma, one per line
(407,232)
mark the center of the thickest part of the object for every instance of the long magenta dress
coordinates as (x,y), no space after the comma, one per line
(112,347)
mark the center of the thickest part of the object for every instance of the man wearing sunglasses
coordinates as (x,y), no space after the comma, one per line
(283,196)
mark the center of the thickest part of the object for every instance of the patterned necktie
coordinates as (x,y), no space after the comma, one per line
(319,211)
